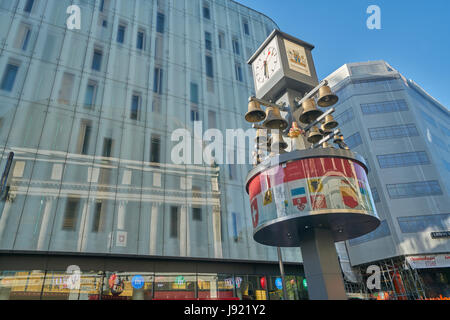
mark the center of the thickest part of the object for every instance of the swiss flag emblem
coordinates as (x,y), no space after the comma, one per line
(255,213)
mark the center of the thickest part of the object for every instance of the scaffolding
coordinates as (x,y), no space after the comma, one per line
(398,281)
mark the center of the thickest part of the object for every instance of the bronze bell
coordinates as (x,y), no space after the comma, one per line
(255,113)
(310,111)
(326,97)
(274,119)
(314,135)
(338,138)
(324,131)
(278,142)
(330,123)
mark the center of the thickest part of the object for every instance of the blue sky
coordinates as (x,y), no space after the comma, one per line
(414,36)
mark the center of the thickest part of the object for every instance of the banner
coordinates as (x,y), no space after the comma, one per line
(429,261)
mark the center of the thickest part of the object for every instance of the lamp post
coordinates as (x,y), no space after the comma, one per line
(303,192)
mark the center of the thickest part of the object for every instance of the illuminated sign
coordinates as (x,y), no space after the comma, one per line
(137,282)
(279,283)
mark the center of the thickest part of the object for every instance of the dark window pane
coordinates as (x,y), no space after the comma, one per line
(140,40)
(155,149)
(121,34)
(174,225)
(97,217)
(97,60)
(209,66)
(194,93)
(160,23)
(135,107)
(107,147)
(9,77)
(71,214)
(28,6)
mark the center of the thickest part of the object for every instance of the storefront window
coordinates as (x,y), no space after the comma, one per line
(207,286)
(252,288)
(21,285)
(226,286)
(175,286)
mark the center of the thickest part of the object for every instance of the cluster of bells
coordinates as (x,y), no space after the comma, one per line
(273,120)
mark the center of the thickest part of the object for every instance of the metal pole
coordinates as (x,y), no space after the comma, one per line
(280,261)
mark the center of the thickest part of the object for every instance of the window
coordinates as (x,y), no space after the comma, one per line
(85,135)
(102,5)
(160,22)
(212,120)
(235,226)
(403,159)
(246,27)
(71,214)
(238,72)
(345,116)
(107,147)
(393,132)
(28,6)
(208,41)
(65,92)
(414,189)
(209,66)
(194,93)
(354,140)
(23,37)
(196,214)
(91,93)
(9,77)
(195,116)
(157,80)
(174,225)
(206,11)
(140,42)
(97,60)
(221,40)
(413,224)
(135,106)
(96,223)
(384,107)
(380,232)
(236,48)
(121,34)
(155,149)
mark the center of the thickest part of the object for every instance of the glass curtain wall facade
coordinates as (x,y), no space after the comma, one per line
(403,133)
(89,115)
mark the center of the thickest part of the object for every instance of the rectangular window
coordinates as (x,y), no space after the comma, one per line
(91,94)
(140,42)
(195,116)
(157,80)
(96,223)
(155,149)
(354,140)
(221,40)
(194,93)
(102,5)
(212,120)
(236,47)
(65,92)
(197,214)
(97,60)
(413,224)
(135,107)
(121,34)
(414,189)
(160,22)
(246,27)
(206,11)
(384,107)
(23,37)
(403,159)
(174,225)
(28,6)
(71,214)
(208,41)
(393,132)
(9,77)
(85,134)
(238,72)
(107,147)
(209,66)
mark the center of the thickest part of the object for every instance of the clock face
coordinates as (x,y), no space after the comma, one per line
(267,63)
